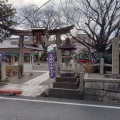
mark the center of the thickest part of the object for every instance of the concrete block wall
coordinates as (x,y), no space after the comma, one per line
(102,91)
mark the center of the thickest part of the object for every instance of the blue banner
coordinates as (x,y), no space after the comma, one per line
(51,64)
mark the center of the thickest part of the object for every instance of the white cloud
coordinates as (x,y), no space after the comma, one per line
(19,3)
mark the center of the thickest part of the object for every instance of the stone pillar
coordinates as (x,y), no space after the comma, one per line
(82,82)
(21,56)
(115,56)
(59,53)
(101,65)
(80,67)
(3,71)
(74,66)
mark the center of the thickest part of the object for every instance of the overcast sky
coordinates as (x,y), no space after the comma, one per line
(19,3)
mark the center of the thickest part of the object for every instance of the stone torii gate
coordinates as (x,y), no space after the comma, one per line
(21,34)
(38,33)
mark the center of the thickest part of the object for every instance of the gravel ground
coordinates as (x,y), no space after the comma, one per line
(42,67)
(27,77)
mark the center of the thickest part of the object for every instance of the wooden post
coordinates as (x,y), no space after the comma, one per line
(13,60)
(21,56)
(59,53)
(30,59)
(38,58)
(3,71)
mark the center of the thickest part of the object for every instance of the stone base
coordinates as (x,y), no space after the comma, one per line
(65,93)
(66,79)
(66,85)
(67,74)
(117,76)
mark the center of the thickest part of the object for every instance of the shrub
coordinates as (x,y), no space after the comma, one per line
(107,57)
(88,68)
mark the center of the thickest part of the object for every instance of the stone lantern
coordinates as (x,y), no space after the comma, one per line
(67,52)
(66,84)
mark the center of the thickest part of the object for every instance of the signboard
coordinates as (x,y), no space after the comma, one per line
(51,64)
(1,56)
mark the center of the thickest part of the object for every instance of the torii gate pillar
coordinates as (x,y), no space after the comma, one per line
(59,53)
(21,56)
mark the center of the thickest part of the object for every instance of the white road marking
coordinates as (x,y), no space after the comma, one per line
(62,103)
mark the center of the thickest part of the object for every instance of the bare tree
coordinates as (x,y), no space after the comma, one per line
(41,18)
(98,19)
(47,19)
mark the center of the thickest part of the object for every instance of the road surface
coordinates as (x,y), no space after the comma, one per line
(21,108)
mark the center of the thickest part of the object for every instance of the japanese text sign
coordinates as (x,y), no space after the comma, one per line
(51,64)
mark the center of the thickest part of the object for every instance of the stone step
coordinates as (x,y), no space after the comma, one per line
(67,74)
(66,79)
(65,93)
(66,85)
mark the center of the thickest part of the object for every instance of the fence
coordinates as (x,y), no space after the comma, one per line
(80,67)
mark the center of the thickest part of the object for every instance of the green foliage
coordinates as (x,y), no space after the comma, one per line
(84,54)
(36,56)
(43,57)
(7,13)
(7,80)
(107,57)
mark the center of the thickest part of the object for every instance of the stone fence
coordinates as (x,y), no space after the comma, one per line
(80,67)
(100,88)
(90,65)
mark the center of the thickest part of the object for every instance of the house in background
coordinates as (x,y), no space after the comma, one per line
(10,48)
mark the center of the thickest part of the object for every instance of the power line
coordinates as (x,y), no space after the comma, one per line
(32,13)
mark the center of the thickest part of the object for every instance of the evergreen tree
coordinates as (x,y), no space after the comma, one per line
(7,13)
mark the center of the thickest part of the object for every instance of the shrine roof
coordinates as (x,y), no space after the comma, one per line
(7,44)
(33,47)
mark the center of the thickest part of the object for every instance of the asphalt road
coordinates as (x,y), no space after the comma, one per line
(19,108)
